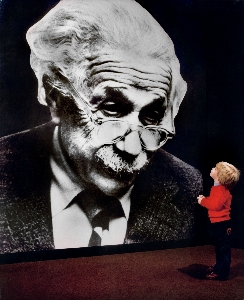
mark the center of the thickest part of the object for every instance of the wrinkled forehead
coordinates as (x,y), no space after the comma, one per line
(125,69)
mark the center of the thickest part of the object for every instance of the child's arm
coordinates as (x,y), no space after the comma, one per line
(215,201)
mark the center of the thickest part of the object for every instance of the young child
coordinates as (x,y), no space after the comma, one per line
(225,177)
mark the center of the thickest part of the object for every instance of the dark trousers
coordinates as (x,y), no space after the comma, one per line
(222,237)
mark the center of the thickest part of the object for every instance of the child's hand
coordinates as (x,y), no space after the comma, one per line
(199,198)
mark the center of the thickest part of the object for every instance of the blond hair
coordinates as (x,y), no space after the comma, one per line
(228,175)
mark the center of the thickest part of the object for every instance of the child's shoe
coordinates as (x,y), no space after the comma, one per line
(209,270)
(214,276)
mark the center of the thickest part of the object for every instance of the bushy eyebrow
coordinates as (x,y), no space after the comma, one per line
(158,102)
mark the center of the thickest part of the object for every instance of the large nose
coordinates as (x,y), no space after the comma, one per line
(131,142)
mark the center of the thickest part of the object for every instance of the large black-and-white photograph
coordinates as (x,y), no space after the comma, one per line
(95,174)
(121,128)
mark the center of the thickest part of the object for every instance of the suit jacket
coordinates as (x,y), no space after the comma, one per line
(162,200)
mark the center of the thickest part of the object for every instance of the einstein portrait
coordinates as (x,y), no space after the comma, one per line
(97,174)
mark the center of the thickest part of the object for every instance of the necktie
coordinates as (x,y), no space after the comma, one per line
(100,210)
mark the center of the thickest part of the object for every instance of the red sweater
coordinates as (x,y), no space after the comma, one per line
(218,204)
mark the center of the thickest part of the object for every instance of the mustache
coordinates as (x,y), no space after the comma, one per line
(119,164)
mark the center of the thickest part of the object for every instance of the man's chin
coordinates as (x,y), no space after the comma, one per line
(111,185)
(115,166)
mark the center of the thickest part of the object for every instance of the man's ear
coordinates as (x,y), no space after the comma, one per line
(47,96)
(177,92)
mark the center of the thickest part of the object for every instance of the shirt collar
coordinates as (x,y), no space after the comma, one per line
(65,184)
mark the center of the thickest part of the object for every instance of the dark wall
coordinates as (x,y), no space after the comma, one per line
(209,41)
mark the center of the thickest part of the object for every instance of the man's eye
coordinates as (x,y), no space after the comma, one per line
(111,109)
(153,113)
(152,118)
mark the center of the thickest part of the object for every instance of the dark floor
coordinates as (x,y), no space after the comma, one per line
(164,274)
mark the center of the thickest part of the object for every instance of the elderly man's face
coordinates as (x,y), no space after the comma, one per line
(134,90)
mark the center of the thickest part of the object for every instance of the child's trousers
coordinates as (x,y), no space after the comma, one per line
(222,237)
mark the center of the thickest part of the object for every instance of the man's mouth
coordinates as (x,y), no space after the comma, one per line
(118,164)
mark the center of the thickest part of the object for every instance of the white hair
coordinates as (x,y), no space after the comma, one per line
(69,34)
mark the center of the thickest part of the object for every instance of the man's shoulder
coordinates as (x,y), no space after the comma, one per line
(23,143)
(41,131)
(24,158)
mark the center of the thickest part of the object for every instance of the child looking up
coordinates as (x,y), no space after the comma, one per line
(218,203)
